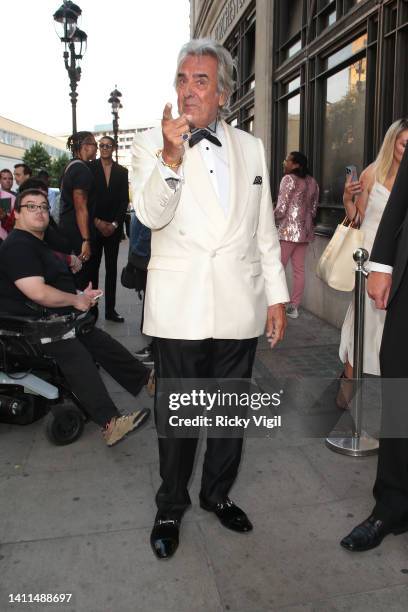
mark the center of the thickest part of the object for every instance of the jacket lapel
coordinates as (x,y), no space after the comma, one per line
(100,176)
(112,178)
(201,187)
(239,180)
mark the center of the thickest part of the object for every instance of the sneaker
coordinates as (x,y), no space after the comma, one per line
(119,427)
(145,352)
(151,384)
(292,311)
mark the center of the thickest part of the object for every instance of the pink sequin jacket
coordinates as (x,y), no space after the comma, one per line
(296,208)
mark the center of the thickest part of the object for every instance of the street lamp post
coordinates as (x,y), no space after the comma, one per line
(74,40)
(114,101)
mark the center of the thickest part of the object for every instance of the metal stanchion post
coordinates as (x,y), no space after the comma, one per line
(358,443)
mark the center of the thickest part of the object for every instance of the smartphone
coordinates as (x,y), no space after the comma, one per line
(352,171)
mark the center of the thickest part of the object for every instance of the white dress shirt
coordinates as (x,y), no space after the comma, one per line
(373,266)
(215,159)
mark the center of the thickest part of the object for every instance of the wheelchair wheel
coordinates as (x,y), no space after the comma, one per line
(64,424)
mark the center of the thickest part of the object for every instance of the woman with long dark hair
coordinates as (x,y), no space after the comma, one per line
(296,208)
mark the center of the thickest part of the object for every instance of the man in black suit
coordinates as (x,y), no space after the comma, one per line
(111,199)
(388,286)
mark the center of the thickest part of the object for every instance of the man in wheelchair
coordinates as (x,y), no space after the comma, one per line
(35,282)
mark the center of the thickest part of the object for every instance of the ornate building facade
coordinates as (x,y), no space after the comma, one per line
(326,77)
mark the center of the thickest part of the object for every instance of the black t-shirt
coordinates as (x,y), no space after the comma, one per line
(76,176)
(22,255)
(56,239)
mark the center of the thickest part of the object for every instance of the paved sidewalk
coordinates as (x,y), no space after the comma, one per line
(77,519)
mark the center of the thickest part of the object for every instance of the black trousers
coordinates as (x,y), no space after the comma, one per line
(84,276)
(198,359)
(76,359)
(391,485)
(110,247)
(69,228)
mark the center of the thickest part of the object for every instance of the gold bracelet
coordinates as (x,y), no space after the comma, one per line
(173,165)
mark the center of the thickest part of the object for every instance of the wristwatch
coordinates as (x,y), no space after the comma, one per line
(115,224)
(86,240)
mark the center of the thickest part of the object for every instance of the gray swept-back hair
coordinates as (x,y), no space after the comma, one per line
(226,65)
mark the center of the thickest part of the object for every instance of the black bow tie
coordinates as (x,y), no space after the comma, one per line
(198,134)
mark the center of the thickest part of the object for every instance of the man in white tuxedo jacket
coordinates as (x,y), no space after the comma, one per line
(215,277)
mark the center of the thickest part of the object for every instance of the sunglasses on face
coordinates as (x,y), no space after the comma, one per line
(105,146)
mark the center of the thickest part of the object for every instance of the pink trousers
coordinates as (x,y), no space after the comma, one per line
(296,252)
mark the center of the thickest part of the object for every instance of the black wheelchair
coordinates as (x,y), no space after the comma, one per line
(31,384)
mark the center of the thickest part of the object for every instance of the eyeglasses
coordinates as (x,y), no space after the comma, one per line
(105,146)
(34,207)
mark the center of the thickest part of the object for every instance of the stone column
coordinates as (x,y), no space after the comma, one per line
(263,73)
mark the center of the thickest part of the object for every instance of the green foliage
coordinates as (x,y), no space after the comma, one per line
(57,167)
(37,158)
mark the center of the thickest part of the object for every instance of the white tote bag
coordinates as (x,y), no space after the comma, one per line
(336,266)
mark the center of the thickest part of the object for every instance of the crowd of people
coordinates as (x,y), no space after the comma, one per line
(89,211)
(56,273)
(211,253)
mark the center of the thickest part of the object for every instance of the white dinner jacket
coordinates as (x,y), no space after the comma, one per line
(210,275)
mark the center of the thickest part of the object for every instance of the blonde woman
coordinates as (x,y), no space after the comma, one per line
(368,198)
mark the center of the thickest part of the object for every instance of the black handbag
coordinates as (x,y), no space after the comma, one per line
(134,274)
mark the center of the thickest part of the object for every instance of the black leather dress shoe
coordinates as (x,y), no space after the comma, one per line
(369,534)
(230,515)
(115,317)
(164,538)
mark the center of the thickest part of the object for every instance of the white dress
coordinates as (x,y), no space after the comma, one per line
(374,318)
